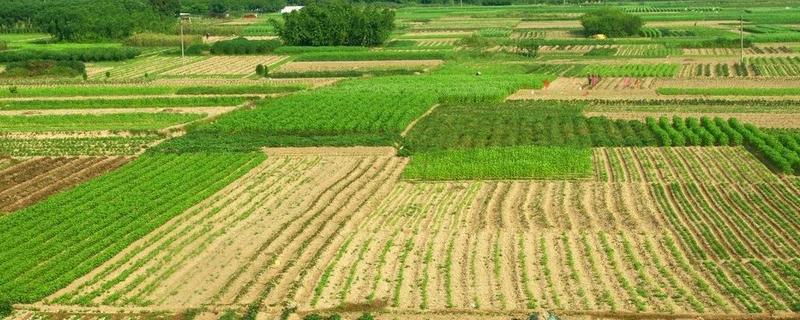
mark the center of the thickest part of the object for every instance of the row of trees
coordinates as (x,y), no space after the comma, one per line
(611,22)
(88,20)
(218,7)
(336,24)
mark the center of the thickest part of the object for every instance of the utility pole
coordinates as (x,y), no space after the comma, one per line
(741,37)
(183,54)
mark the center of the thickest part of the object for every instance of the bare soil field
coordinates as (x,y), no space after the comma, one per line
(762,120)
(294,211)
(358,65)
(225,65)
(33,179)
(624,83)
(338,231)
(436,42)
(577,89)
(616,89)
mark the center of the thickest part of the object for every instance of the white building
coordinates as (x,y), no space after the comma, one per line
(288,9)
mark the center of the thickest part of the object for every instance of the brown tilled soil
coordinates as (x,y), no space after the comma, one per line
(326,230)
(37,178)
(261,231)
(763,120)
(226,65)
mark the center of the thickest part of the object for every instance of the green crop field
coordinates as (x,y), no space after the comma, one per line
(487,160)
(113,122)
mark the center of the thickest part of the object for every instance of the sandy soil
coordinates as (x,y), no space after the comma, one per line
(210,261)
(327,229)
(226,65)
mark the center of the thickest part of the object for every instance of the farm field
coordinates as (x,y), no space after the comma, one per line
(486,160)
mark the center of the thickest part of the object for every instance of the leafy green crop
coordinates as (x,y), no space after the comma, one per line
(370,111)
(524,162)
(50,244)
(81,122)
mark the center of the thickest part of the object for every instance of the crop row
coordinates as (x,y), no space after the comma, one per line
(625,70)
(110,122)
(48,245)
(338,115)
(782,151)
(178,102)
(652,165)
(21,147)
(501,163)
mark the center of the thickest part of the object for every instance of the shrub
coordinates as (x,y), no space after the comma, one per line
(496,2)
(528,48)
(476,41)
(366,316)
(3,45)
(716,43)
(336,24)
(229,315)
(244,46)
(83,54)
(601,52)
(197,49)
(37,68)
(251,313)
(160,40)
(5,307)
(611,22)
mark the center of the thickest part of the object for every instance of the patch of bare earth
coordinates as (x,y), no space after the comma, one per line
(257,228)
(333,230)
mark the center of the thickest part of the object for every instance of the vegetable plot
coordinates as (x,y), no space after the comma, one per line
(46,246)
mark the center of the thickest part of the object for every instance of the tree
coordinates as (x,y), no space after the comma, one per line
(89,20)
(5,303)
(167,8)
(611,22)
(336,24)
(217,8)
(528,47)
